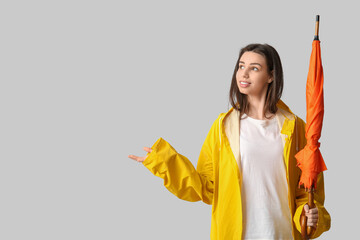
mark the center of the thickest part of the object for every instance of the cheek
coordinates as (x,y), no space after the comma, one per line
(237,75)
(237,78)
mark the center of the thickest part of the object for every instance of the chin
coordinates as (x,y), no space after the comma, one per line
(243,91)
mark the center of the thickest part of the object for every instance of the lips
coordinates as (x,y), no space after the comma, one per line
(244,84)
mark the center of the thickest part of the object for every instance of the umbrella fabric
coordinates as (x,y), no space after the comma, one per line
(309,159)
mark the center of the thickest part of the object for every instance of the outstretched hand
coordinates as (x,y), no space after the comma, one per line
(140,159)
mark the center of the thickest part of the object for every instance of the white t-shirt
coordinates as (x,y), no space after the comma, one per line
(264,186)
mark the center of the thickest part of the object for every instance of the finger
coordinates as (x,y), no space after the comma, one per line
(311,213)
(133,157)
(141,159)
(312,216)
(309,224)
(311,221)
(136,158)
(313,210)
(306,208)
(147,149)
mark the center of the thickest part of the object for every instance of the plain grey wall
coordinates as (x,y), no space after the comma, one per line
(85,83)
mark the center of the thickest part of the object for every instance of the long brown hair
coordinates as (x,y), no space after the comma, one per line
(239,100)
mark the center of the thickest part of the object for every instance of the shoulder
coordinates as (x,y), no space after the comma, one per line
(300,120)
(224,115)
(220,121)
(287,112)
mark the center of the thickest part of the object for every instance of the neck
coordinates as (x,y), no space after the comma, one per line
(257,107)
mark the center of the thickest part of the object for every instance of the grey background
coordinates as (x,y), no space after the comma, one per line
(85,83)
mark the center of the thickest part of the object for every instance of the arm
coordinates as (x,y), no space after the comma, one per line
(180,176)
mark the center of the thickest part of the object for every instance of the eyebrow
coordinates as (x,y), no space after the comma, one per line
(251,63)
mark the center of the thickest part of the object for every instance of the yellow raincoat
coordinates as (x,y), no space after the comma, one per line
(217,178)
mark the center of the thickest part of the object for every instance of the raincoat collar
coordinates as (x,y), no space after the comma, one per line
(231,126)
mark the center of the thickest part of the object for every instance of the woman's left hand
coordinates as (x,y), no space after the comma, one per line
(312,215)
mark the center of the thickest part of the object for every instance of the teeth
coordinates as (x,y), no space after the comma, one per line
(244,83)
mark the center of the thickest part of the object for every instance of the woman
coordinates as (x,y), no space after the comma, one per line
(246,168)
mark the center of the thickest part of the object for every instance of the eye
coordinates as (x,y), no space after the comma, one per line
(255,69)
(241,67)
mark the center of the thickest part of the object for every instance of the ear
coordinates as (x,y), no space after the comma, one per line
(271,77)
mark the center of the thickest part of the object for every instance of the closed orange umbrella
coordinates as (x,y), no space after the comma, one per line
(309,159)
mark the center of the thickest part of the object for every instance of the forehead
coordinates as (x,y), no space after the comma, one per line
(253,57)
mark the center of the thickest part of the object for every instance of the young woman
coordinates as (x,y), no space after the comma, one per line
(246,168)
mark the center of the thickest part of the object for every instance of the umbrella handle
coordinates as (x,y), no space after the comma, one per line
(307,231)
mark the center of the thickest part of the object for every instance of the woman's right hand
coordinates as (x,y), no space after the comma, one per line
(140,159)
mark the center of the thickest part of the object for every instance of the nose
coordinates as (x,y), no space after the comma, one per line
(245,73)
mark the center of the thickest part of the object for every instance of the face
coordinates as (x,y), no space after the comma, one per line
(252,76)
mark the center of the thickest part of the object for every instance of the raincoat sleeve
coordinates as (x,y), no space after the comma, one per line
(179,175)
(319,194)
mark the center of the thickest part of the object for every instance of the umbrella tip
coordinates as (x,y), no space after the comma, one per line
(316,37)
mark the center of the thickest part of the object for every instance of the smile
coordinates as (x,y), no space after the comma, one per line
(244,84)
